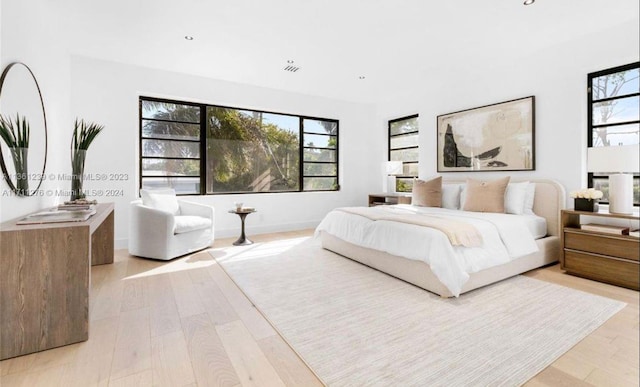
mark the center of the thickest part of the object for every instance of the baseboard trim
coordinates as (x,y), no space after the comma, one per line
(121,244)
(253,230)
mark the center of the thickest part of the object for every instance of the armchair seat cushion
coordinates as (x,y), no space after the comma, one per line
(186,223)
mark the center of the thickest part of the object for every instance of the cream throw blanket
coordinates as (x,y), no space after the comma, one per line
(458,232)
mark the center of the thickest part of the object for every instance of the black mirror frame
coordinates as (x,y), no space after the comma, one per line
(5,172)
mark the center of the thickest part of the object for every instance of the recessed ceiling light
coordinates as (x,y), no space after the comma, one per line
(529,2)
(361,77)
(290,61)
(188,37)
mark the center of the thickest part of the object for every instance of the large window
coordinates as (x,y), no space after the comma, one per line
(206,149)
(614,116)
(403,146)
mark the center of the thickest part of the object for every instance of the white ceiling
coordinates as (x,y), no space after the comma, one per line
(396,44)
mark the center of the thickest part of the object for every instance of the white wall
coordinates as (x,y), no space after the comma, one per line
(107,93)
(28,36)
(557,76)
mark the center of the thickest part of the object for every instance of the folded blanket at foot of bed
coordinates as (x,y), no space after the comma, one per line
(459,233)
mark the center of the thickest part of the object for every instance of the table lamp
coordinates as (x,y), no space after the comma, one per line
(389,170)
(619,162)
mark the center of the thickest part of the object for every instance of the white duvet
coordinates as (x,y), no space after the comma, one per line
(505,237)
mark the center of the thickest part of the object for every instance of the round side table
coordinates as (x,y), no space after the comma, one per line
(243,240)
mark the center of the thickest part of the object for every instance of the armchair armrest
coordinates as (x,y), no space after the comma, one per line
(147,220)
(196,209)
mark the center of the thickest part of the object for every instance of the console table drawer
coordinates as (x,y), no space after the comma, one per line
(599,268)
(602,244)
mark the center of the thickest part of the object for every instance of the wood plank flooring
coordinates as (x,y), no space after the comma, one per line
(186,323)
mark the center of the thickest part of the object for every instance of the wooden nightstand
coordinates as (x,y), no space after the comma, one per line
(599,256)
(388,199)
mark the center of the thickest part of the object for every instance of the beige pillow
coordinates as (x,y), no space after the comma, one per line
(427,193)
(486,196)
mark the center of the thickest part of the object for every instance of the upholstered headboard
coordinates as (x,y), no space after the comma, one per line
(550,198)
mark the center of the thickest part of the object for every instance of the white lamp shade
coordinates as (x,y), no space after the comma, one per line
(393,168)
(612,159)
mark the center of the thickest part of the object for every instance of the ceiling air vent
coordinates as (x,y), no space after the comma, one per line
(291,68)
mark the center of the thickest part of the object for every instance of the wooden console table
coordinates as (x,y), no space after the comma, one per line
(45,280)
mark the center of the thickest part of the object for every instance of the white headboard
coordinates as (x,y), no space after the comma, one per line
(550,198)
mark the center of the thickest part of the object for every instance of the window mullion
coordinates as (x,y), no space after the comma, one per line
(301,157)
(203,150)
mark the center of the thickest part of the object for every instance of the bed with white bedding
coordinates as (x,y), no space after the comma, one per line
(433,259)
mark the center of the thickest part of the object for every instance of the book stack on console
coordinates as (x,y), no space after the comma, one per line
(605,228)
(57,216)
(75,207)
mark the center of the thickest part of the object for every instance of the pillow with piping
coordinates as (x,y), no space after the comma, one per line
(486,196)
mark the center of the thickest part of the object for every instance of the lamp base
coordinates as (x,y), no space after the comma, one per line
(391,184)
(621,193)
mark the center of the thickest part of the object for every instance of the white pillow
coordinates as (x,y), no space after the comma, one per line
(514,198)
(529,198)
(161,199)
(451,196)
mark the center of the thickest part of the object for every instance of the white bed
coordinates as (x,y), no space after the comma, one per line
(358,238)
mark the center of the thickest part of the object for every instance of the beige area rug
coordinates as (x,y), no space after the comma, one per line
(356,326)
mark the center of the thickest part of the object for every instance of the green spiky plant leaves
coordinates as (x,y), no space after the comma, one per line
(83,135)
(15,133)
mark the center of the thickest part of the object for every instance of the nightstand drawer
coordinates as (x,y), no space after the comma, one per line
(613,271)
(602,244)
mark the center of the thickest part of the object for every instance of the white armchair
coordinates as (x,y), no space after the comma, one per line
(164,227)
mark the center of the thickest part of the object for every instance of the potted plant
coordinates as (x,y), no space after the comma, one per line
(16,135)
(83,135)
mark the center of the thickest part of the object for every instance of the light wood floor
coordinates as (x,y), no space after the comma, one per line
(185,323)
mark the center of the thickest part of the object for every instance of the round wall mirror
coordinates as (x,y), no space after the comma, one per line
(23,152)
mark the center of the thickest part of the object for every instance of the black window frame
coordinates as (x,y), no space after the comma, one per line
(390,136)
(141,119)
(303,147)
(590,126)
(203,147)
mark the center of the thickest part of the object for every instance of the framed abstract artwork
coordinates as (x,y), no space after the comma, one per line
(498,137)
